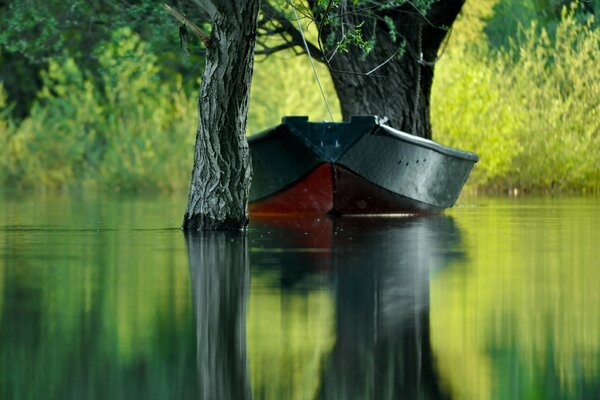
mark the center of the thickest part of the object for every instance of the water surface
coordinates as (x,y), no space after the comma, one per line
(104,297)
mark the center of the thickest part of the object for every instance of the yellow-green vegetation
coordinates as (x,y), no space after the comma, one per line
(5,127)
(284,84)
(519,315)
(530,111)
(123,129)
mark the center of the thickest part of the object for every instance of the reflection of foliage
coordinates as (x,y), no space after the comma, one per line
(108,312)
(287,351)
(94,313)
(534,121)
(522,312)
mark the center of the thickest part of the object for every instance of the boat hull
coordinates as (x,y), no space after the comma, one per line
(334,190)
(359,167)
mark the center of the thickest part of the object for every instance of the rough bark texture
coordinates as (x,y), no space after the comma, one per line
(391,90)
(220,280)
(222,168)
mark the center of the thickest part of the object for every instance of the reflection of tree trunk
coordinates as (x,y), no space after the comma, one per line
(220,278)
(222,170)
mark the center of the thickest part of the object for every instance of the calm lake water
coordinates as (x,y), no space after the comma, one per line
(102,297)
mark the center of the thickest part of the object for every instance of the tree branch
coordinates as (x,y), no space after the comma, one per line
(189,24)
(266,50)
(295,36)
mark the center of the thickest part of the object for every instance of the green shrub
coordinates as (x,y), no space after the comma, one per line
(5,131)
(530,112)
(284,84)
(130,132)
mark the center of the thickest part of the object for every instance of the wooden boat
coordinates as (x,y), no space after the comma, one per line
(356,167)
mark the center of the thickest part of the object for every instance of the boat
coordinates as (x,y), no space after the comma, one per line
(360,167)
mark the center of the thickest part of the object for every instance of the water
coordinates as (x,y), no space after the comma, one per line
(102,297)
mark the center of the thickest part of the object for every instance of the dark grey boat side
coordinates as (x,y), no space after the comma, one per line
(413,168)
(410,166)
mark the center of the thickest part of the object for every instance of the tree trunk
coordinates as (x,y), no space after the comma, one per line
(393,89)
(222,168)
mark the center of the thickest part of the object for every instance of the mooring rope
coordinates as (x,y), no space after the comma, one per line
(311,61)
(418,89)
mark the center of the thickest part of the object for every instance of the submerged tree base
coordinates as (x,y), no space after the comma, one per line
(197,222)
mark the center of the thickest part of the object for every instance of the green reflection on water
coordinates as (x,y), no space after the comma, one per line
(90,312)
(96,302)
(287,352)
(520,314)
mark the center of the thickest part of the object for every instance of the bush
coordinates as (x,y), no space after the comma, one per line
(130,131)
(529,109)
(5,131)
(531,112)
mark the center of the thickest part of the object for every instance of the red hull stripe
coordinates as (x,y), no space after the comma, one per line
(313,194)
(333,189)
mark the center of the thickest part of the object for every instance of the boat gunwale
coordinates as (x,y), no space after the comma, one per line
(260,136)
(394,133)
(429,144)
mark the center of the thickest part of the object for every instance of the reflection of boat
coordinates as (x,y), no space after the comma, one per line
(379,271)
(357,167)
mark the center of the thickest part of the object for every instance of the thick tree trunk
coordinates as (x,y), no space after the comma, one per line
(393,89)
(222,168)
(393,95)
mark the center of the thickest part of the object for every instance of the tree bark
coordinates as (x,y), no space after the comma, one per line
(222,167)
(393,89)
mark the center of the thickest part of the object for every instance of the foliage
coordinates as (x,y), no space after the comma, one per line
(45,29)
(129,131)
(510,16)
(353,23)
(35,32)
(5,129)
(534,121)
(285,85)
